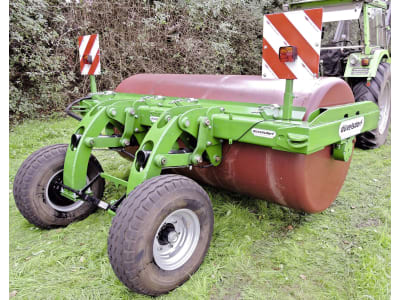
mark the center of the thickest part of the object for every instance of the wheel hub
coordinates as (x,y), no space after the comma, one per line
(172,237)
(54,198)
(176,239)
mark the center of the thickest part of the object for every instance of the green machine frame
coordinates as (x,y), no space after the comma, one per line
(156,123)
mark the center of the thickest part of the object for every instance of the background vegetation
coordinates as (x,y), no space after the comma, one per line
(170,36)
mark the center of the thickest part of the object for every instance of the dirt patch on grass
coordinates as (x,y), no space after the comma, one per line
(369,223)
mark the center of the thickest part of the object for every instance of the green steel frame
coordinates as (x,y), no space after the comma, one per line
(159,125)
(317,3)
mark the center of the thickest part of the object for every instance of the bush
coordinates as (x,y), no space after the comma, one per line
(183,36)
(38,72)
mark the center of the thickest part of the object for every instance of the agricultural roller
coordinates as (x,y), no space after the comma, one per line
(289,142)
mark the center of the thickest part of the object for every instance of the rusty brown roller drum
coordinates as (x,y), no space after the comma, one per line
(308,183)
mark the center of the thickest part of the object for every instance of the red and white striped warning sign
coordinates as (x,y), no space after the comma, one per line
(89,54)
(301,29)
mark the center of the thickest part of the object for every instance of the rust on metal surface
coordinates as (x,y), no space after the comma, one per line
(305,182)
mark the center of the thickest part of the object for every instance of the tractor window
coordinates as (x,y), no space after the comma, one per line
(377,36)
(341,33)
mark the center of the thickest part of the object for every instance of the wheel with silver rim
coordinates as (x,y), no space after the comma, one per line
(37,192)
(378,91)
(176,239)
(160,234)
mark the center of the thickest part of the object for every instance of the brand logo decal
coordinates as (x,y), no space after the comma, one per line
(154,119)
(351,127)
(269,134)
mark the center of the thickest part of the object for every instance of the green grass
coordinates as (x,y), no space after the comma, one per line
(258,251)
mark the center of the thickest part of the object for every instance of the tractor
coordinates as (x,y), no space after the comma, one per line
(356,47)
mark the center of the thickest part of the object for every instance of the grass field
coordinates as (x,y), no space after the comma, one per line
(258,251)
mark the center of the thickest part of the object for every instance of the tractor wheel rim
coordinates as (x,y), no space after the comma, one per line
(384,103)
(176,239)
(55,200)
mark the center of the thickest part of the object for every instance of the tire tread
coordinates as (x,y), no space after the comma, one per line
(131,214)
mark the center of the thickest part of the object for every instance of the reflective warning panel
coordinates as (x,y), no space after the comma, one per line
(89,54)
(291,44)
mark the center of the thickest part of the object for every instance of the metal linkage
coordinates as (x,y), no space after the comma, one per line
(83,195)
(162,127)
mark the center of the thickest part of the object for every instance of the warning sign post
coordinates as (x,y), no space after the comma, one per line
(291,49)
(89,58)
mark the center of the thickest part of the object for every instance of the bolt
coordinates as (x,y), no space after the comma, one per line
(160,248)
(207,122)
(187,123)
(217,158)
(132,112)
(163,161)
(209,143)
(209,127)
(172,237)
(222,109)
(136,116)
(113,112)
(136,129)
(126,142)
(89,142)
(199,160)
(168,118)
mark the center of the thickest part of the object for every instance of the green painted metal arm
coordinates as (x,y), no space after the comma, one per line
(161,125)
(317,3)
(323,3)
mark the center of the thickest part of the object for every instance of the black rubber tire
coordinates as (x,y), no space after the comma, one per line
(31,181)
(133,229)
(375,93)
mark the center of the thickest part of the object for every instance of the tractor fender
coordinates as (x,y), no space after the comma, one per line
(375,59)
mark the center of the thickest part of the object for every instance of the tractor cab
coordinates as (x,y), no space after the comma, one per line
(355,36)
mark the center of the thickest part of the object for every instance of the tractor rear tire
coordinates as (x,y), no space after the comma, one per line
(378,92)
(160,234)
(38,198)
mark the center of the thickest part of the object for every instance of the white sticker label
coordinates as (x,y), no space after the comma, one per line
(351,127)
(154,119)
(269,134)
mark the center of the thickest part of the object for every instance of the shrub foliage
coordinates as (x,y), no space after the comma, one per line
(171,36)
